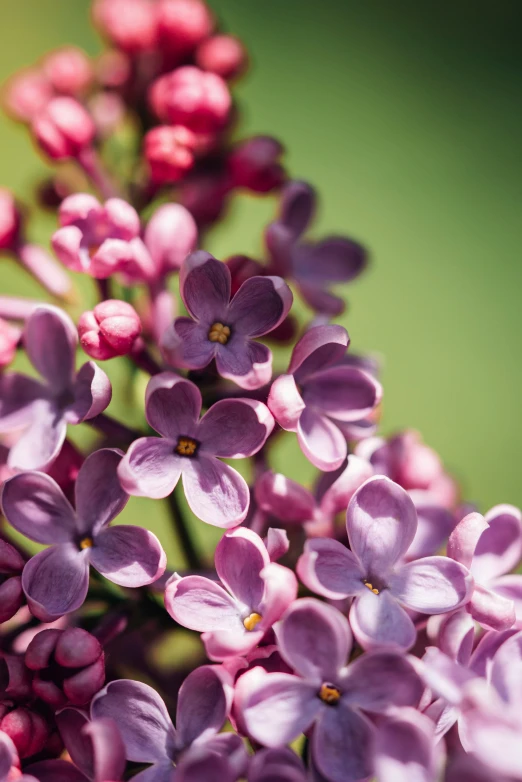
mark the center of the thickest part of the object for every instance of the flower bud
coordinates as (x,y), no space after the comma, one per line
(63,128)
(189,96)
(109,330)
(223,55)
(204,195)
(129,24)
(113,69)
(169,151)
(11,593)
(68,70)
(9,337)
(171,234)
(254,164)
(27,729)
(10,220)
(182,25)
(26,94)
(108,111)
(242,268)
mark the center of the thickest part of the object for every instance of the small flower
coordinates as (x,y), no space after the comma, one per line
(188,447)
(56,580)
(381,522)
(234,617)
(169,152)
(66,397)
(318,396)
(110,330)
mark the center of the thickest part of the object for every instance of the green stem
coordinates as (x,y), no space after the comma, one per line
(182,532)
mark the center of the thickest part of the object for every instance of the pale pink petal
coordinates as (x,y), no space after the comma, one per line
(285,402)
(319,347)
(200,604)
(283,498)
(215,492)
(321,440)
(92,393)
(499,548)
(379,621)
(432,585)
(491,609)
(150,468)
(464,538)
(340,492)
(239,559)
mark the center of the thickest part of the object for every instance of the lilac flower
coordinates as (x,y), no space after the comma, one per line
(405,749)
(204,701)
(315,640)
(225,329)
(317,396)
(66,397)
(56,580)
(381,522)
(490,547)
(234,617)
(231,429)
(312,266)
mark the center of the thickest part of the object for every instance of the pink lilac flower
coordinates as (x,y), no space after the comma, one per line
(317,396)
(170,152)
(128,24)
(381,521)
(171,234)
(235,614)
(56,580)
(66,396)
(69,70)
(189,448)
(223,329)
(491,546)
(325,692)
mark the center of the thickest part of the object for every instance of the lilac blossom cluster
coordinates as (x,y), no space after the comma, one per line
(369,627)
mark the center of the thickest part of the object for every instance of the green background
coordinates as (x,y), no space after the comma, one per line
(408,119)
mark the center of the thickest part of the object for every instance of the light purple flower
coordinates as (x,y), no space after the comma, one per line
(234,615)
(312,266)
(490,546)
(189,447)
(223,329)
(334,698)
(317,396)
(66,396)
(56,580)
(203,705)
(381,521)
(405,749)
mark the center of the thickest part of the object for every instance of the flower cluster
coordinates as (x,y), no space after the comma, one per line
(367,627)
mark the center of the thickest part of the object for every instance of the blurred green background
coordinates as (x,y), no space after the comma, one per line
(407,117)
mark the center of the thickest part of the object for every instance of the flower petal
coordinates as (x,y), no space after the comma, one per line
(98,492)
(285,402)
(108,749)
(464,538)
(499,548)
(215,492)
(8,755)
(200,604)
(50,339)
(339,493)
(185,344)
(435,525)
(334,259)
(41,442)
(71,723)
(321,441)
(283,498)
(491,609)
(378,681)
(172,405)
(511,587)
(379,621)
(239,559)
(56,581)
(381,521)
(329,569)
(204,765)
(297,206)
(345,393)
(341,744)
(234,428)
(432,585)
(247,363)
(280,592)
(34,504)
(205,284)
(150,468)
(456,636)
(319,347)
(204,701)
(405,748)
(322,301)
(52,770)
(17,395)
(259,306)
(129,556)
(92,393)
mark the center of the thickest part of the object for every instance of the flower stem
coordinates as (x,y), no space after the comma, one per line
(143,359)
(90,162)
(113,429)
(182,532)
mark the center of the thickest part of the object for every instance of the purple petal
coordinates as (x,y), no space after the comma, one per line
(150,468)
(53,770)
(239,559)
(159,772)
(456,636)
(314,639)
(204,765)
(41,442)
(129,556)
(381,521)
(432,585)
(321,440)
(17,394)
(259,306)
(511,587)
(376,681)
(98,492)
(71,723)
(337,496)
(491,609)
(247,363)
(464,538)
(229,644)
(280,592)
(330,569)
(142,719)
(341,744)
(56,581)
(283,498)
(186,344)
(92,393)
(204,284)
(297,207)
(252,422)
(204,702)
(319,299)
(435,524)
(279,242)
(486,649)
(345,393)
(379,621)
(215,492)
(172,405)
(276,765)
(108,749)
(506,671)
(34,504)
(319,347)
(200,604)
(285,402)
(499,548)
(50,340)
(277,543)
(405,749)
(334,259)
(8,755)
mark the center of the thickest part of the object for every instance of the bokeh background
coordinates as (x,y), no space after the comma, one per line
(407,117)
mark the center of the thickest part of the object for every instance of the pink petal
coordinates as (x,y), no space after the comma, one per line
(283,498)
(205,287)
(98,492)
(40,443)
(150,468)
(319,347)
(340,492)
(92,393)
(172,405)
(506,671)
(456,636)
(280,592)
(215,492)
(277,543)
(68,243)
(56,581)
(239,559)
(252,424)
(405,749)
(129,556)
(511,587)
(204,701)
(379,621)
(464,538)
(491,609)
(435,524)
(499,548)
(285,402)
(200,604)
(34,504)
(259,306)
(329,569)
(432,585)
(320,440)
(50,339)
(341,744)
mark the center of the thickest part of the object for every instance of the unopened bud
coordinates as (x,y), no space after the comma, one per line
(63,128)
(129,24)
(182,25)
(254,164)
(224,55)
(68,70)
(169,151)
(109,330)
(171,234)
(27,94)
(9,337)
(27,729)
(9,220)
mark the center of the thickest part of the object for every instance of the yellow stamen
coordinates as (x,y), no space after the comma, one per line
(219,333)
(371,587)
(251,621)
(329,694)
(186,446)
(86,543)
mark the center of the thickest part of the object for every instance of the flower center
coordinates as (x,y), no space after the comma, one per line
(371,587)
(251,621)
(86,543)
(329,693)
(186,446)
(219,333)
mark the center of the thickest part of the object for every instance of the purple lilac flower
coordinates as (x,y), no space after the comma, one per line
(491,546)
(325,692)
(312,266)
(66,396)
(317,396)
(222,328)
(56,580)
(381,521)
(189,447)
(235,614)
(405,749)
(149,736)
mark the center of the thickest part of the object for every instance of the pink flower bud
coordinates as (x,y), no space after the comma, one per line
(9,337)
(26,94)
(182,25)
(113,69)
(222,54)
(169,151)
(189,96)
(108,111)
(68,70)
(63,128)
(171,234)
(254,164)
(27,729)
(129,24)
(109,330)
(10,219)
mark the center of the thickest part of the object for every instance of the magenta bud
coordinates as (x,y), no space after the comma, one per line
(68,70)
(63,129)
(77,648)
(191,97)
(242,268)
(27,730)
(129,24)
(39,652)
(108,111)
(10,219)
(26,94)
(9,337)
(204,195)
(169,151)
(11,592)
(254,164)
(182,25)
(49,692)
(82,686)
(109,330)
(113,69)
(15,677)
(171,234)
(223,55)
